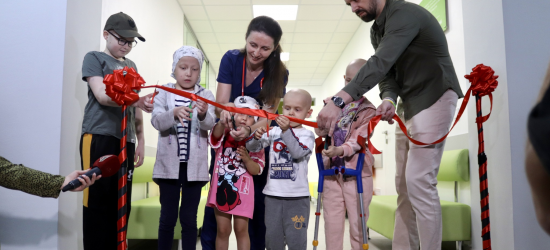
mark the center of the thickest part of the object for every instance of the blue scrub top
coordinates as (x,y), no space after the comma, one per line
(231,72)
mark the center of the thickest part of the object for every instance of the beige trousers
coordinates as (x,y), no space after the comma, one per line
(339,196)
(418,215)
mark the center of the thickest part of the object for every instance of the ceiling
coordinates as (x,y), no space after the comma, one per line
(315,39)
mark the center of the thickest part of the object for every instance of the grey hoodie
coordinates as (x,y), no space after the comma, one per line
(167,163)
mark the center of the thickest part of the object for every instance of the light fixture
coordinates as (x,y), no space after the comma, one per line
(277,12)
(285,56)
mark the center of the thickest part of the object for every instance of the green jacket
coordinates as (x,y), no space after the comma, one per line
(28,180)
(411,59)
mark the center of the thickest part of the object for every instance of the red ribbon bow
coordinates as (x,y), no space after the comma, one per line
(120,85)
(483,80)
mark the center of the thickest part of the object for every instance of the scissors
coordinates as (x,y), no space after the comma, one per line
(233,122)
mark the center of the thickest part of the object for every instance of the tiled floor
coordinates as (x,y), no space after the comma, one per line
(377,241)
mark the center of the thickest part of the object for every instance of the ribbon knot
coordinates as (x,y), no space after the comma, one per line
(121,84)
(483,80)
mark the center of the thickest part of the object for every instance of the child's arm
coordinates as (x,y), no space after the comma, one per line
(98,88)
(162,118)
(218,131)
(253,167)
(258,140)
(140,149)
(206,113)
(298,147)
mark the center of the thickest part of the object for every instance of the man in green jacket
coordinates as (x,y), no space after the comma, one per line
(28,180)
(411,61)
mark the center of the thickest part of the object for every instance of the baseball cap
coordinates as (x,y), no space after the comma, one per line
(246,102)
(123,25)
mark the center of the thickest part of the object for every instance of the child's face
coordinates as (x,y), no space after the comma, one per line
(258,47)
(243,120)
(187,72)
(295,105)
(117,50)
(351,71)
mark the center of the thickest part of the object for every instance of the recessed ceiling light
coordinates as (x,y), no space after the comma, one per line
(285,56)
(277,12)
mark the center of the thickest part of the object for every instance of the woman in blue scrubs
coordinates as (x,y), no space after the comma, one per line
(256,71)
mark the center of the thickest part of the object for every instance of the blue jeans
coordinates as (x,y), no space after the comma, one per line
(169,199)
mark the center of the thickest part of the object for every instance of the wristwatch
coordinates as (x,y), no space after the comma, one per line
(338,101)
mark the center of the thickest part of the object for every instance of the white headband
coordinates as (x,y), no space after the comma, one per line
(187,51)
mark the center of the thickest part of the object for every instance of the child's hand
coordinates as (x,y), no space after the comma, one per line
(182,113)
(320,132)
(259,133)
(225,119)
(283,122)
(333,151)
(144,103)
(240,133)
(201,107)
(243,153)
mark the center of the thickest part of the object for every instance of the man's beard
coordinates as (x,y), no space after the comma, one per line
(370,14)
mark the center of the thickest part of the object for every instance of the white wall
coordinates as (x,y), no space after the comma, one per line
(31,71)
(484,43)
(80,34)
(161,24)
(527,55)
(83,27)
(508,36)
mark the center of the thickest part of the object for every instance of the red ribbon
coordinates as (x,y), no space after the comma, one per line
(483,83)
(253,112)
(120,84)
(482,79)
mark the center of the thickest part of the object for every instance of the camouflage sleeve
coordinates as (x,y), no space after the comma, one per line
(28,180)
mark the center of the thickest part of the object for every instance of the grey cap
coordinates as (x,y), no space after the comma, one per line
(123,25)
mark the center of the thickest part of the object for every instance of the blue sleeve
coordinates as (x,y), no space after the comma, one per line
(225,72)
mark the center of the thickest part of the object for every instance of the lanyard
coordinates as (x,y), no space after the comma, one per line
(244,77)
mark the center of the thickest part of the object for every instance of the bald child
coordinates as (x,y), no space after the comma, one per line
(287,188)
(352,69)
(339,192)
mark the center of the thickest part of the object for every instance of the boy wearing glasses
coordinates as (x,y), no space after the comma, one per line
(101,133)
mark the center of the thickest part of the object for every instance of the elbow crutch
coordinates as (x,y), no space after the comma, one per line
(319,146)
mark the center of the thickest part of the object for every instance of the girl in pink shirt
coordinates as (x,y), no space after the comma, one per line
(232,188)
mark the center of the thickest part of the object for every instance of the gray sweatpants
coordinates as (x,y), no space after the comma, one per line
(286,221)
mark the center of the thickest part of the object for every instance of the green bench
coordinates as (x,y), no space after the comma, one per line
(455,216)
(144,218)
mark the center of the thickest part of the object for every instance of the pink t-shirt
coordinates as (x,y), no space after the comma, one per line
(232,188)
